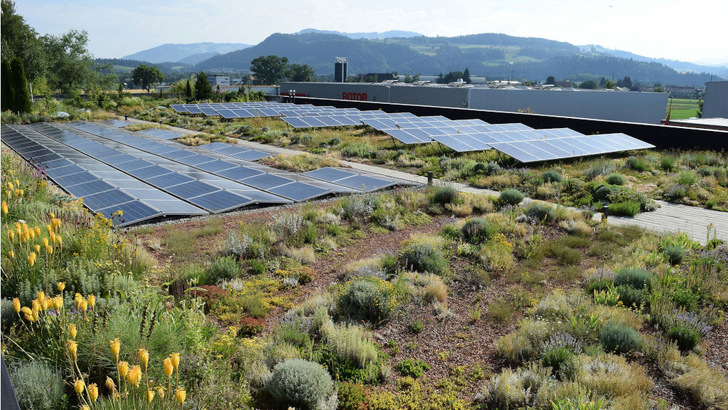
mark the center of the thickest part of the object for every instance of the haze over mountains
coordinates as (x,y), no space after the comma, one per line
(495,56)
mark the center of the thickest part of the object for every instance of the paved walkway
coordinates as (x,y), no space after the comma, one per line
(668,218)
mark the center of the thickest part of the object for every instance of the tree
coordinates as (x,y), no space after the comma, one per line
(301,73)
(203,89)
(588,85)
(20,101)
(7,86)
(270,69)
(145,76)
(466,76)
(440,79)
(70,66)
(550,80)
(20,40)
(188,90)
(626,82)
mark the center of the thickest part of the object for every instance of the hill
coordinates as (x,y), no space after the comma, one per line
(495,56)
(187,53)
(370,35)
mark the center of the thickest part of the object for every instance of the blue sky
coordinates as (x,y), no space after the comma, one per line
(675,29)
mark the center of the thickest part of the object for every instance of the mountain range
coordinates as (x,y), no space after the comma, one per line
(495,56)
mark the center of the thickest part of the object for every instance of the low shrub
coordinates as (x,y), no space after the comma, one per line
(511,196)
(477,230)
(37,385)
(351,342)
(667,163)
(619,339)
(675,254)
(561,362)
(526,387)
(445,195)
(224,268)
(541,211)
(423,257)
(301,383)
(705,384)
(601,168)
(687,178)
(616,179)
(525,343)
(356,150)
(416,326)
(370,299)
(412,368)
(551,176)
(611,376)
(627,208)
(634,277)
(631,297)
(352,396)
(685,328)
(636,164)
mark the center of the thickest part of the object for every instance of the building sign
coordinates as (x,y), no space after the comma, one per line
(354,96)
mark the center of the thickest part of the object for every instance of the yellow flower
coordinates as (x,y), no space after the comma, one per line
(5,208)
(35,305)
(37,249)
(40,295)
(82,305)
(46,304)
(26,310)
(72,347)
(180,395)
(123,368)
(175,361)
(160,392)
(37,231)
(78,386)
(11,186)
(115,346)
(85,407)
(58,302)
(150,396)
(11,255)
(77,298)
(110,384)
(45,241)
(16,305)
(93,391)
(168,368)
(143,357)
(31,259)
(72,330)
(58,240)
(134,376)
(91,301)
(61,286)
(49,229)
(11,235)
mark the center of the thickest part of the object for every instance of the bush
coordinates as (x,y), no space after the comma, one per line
(628,208)
(687,178)
(667,163)
(356,150)
(370,299)
(634,277)
(445,195)
(675,254)
(412,368)
(636,164)
(37,385)
(424,257)
(477,230)
(686,329)
(619,339)
(511,196)
(298,382)
(551,176)
(541,211)
(616,179)
(222,269)
(561,362)
(602,168)
(631,297)
(352,396)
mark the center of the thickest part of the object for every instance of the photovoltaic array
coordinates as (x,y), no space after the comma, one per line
(519,141)
(148,177)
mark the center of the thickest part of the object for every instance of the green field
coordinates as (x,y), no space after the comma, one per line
(683,108)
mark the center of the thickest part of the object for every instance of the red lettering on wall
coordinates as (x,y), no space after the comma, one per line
(354,96)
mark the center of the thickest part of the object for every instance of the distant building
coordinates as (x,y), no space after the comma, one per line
(216,79)
(341,70)
(715,103)
(375,77)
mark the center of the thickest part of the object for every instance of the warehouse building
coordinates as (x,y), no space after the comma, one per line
(641,107)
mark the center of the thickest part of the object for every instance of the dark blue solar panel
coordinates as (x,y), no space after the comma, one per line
(299,191)
(364,182)
(149,172)
(192,189)
(239,173)
(166,181)
(106,199)
(216,166)
(266,181)
(133,164)
(296,122)
(252,155)
(134,211)
(329,174)
(89,188)
(77,178)
(220,201)
(195,160)
(61,162)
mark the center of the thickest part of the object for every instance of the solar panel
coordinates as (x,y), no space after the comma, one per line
(191,189)
(299,191)
(135,211)
(106,199)
(266,181)
(89,188)
(220,201)
(239,173)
